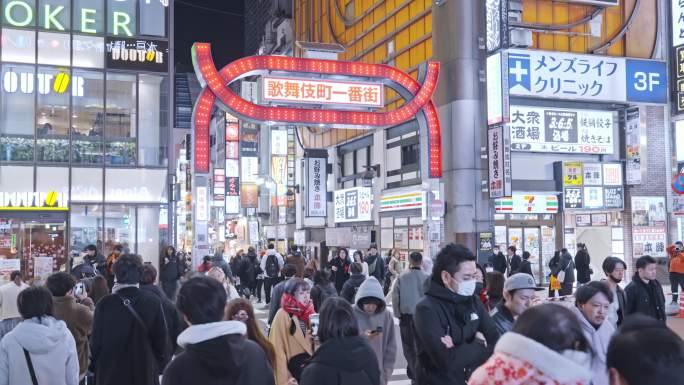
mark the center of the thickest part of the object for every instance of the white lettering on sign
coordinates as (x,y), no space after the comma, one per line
(24,82)
(308,91)
(33,201)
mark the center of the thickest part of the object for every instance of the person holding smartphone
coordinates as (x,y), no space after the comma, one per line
(377,325)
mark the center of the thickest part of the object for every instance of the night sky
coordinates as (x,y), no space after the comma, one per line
(215,24)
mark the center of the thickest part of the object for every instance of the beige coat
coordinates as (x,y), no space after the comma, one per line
(286,346)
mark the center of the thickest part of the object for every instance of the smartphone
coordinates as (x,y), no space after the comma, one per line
(314,322)
(377,331)
(79,290)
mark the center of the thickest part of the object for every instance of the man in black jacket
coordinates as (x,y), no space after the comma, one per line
(128,343)
(216,351)
(614,268)
(514,260)
(645,294)
(498,260)
(448,319)
(376,265)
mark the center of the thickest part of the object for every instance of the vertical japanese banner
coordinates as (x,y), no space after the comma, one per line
(649,227)
(232,200)
(279,174)
(635,150)
(316,186)
(249,164)
(499,162)
(677,54)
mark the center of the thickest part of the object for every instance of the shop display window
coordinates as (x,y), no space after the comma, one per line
(88,119)
(153,108)
(121,119)
(86,227)
(88,51)
(17,129)
(119,227)
(19,13)
(121,15)
(52,115)
(18,46)
(88,16)
(54,48)
(152,18)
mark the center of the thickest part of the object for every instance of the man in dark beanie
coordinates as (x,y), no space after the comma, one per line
(128,342)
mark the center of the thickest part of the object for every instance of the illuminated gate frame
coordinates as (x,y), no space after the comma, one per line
(215,89)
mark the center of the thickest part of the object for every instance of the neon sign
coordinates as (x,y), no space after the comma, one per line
(418,97)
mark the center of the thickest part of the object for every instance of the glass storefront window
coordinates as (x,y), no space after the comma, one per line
(52,179)
(121,16)
(154,127)
(59,15)
(86,184)
(16,178)
(17,113)
(120,227)
(52,115)
(121,118)
(86,227)
(88,51)
(152,232)
(54,48)
(88,119)
(152,18)
(18,46)
(138,185)
(19,13)
(88,16)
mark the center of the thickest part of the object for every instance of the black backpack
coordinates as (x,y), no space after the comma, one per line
(272,269)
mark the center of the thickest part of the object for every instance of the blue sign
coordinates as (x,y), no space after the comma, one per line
(519,71)
(646,81)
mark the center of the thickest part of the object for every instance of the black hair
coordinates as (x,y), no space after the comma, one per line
(526,255)
(289,270)
(553,326)
(128,269)
(644,261)
(356,268)
(90,248)
(15,274)
(513,249)
(586,292)
(484,274)
(35,301)
(346,252)
(679,243)
(202,300)
(373,246)
(416,257)
(449,259)
(359,253)
(60,283)
(271,246)
(206,258)
(294,284)
(495,284)
(294,248)
(251,249)
(118,248)
(610,263)
(564,250)
(337,320)
(149,275)
(320,278)
(651,355)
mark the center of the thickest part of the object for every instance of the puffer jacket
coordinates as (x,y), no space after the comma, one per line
(599,340)
(384,344)
(52,350)
(676,260)
(502,317)
(519,360)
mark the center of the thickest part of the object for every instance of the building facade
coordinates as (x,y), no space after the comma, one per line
(85,108)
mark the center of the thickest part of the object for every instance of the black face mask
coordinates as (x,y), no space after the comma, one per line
(478,288)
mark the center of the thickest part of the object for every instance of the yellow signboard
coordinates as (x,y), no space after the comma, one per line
(572,173)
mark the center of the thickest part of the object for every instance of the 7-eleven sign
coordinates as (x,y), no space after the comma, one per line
(521,203)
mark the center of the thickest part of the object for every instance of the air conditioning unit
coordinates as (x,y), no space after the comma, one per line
(284,33)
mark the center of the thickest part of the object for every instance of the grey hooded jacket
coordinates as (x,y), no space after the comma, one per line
(384,343)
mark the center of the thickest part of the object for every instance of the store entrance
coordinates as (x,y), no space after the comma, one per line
(32,243)
(601,232)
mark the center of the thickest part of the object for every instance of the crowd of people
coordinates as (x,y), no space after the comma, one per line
(116,320)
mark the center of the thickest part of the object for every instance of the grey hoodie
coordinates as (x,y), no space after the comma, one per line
(384,344)
(52,350)
(599,340)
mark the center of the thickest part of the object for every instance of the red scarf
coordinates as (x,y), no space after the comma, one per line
(296,308)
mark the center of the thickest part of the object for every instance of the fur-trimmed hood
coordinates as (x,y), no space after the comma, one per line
(519,360)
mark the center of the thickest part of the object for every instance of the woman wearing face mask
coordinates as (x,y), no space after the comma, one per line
(481,286)
(546,346)
(242,310)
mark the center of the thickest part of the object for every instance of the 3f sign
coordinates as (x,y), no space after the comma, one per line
(646,81)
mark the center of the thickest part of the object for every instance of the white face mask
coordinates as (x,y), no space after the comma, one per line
(466,288)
